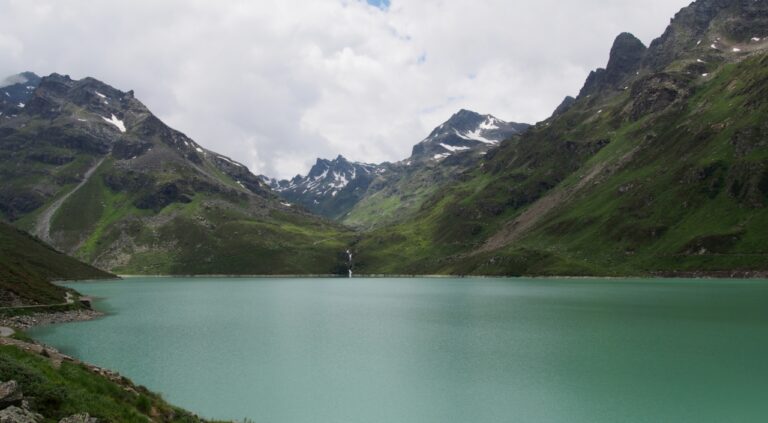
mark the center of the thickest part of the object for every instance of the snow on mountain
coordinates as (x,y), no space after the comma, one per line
(465,130)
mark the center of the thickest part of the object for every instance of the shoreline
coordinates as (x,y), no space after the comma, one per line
(711,275)
(25,322)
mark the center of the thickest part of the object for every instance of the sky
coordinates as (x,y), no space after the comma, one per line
(275,84)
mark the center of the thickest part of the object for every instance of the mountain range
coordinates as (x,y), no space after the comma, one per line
(658,166)
(366,195)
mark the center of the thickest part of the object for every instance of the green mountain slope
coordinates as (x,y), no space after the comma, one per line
(660,165)
(56,390)
(91,170)
(27,266)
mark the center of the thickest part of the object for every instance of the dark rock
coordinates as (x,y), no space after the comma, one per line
(566,105)
(10,394)
(15,203)
(125,150)
(626,56)
(657,92)
(51,158)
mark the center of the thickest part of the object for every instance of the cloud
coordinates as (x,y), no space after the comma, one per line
(277,83)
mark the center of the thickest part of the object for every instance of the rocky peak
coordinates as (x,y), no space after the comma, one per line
(464,131)
(568,101)
(16,90)
(626,55)
(625,59)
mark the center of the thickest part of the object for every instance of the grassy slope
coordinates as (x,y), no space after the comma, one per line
(27,265)
(211,234)
(403,190)
(72,389)
(688,197)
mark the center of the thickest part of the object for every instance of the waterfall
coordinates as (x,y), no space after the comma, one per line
(349,263)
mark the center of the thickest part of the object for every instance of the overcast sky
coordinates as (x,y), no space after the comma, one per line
(277,83)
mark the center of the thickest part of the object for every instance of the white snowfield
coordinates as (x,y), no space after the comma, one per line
(453,148)
(475,135)
(119,124)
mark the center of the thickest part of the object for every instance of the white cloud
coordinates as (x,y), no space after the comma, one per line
(277,83)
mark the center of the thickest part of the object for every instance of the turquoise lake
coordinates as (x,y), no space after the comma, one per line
(435,350)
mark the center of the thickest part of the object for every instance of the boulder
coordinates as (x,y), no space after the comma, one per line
(10,394)
(15,414)
(79,418)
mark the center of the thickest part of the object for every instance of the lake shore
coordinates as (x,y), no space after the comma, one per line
(28,321)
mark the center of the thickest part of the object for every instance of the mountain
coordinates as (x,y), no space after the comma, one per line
(15,91)
(89,169)
(464,131)
(365,195)
(27,266)
(331,188)
(659,166)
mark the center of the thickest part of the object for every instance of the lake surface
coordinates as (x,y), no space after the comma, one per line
(436,350)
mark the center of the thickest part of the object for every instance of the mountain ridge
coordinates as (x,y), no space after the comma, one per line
(335,188)
(153,199)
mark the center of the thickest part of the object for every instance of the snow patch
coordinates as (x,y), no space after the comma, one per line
(453,148)
(700,61)
(756,39)
(82,120)
(475,136)
(441,156)
(736,49)
(698,43)
(713,46)
(115,121)
(230,161)
(705,75)
(199,150)
(100,94)
(286,204)
(21,105)
(490,123)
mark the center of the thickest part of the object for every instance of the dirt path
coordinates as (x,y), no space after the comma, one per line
(67,301)
(43,225)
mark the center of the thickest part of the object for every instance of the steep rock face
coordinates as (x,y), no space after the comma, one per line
(710,26)
(626,55)
(91,169)
(567,103)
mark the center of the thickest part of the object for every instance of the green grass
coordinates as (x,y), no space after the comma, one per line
(669,185)
(73,389)
(27,265)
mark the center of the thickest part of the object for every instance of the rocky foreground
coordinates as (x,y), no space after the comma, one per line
(15,407)
(29,321)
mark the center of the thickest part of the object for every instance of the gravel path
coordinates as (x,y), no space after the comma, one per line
(43,226)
